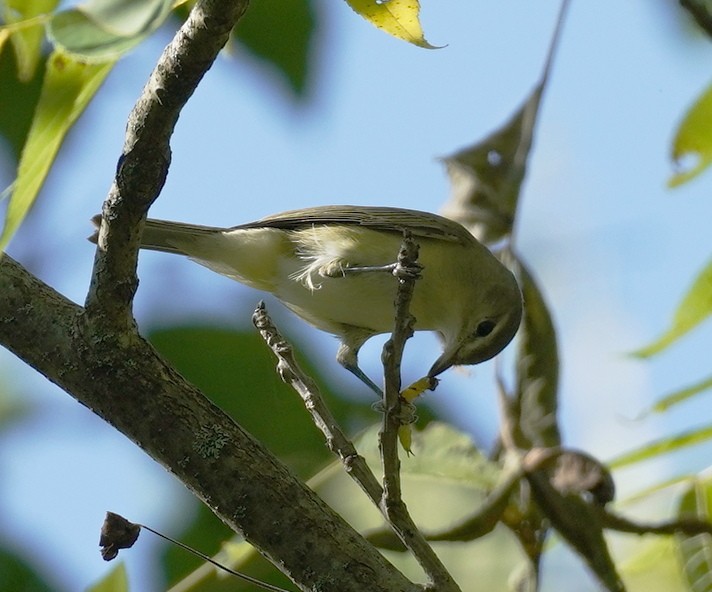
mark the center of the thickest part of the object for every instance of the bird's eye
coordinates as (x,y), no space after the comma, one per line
(484,328)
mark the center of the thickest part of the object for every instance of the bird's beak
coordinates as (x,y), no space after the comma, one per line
(445,361)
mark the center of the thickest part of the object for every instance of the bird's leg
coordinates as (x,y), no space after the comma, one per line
(347,356)
(396,269)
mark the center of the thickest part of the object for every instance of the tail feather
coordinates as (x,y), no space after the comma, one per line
(161,235)
(252,256)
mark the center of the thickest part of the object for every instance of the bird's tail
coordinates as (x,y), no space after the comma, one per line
(161,235)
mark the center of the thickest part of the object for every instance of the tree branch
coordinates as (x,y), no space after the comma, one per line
(392,505)
(143,164)
(128,384)
(96,354)
(337,441)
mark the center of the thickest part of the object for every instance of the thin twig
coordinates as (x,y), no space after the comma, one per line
(398,518)
(336,439)
(687,526)
(392,505)
(204,557)
(392,356)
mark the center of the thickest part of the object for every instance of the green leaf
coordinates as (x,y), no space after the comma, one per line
(653,568)
(695,307)
(486,177)
(445,482)
(17,574)
(67,88)
(101,30)
(399,18)
(281,33)
(656,488)
(12,409)
(18,101)
(114,581)
(446,465)
(682,395)
(662,446)
(537,369)
(440,452)
(27,39)
(695,552)
(692,145)
(579,524)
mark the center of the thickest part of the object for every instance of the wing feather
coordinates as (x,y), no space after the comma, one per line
(422,224)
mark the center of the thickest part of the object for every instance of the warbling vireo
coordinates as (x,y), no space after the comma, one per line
(313,260)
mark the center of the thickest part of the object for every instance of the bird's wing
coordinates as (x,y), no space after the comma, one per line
(423,224)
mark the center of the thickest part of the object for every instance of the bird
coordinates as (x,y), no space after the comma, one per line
(326,264)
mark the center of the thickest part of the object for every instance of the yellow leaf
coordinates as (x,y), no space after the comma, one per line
(692,146)
(67,88)
(396,17)
(537,367)
(405,435)
(413,391)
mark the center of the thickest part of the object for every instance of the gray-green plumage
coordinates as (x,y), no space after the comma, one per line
(304,257)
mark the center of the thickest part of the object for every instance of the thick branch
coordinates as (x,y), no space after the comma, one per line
(125,382)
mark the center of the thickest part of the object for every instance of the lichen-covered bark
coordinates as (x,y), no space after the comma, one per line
(123,380)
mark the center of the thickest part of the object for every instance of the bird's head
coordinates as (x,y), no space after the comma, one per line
(486,329)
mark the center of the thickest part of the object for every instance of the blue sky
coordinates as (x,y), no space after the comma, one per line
(613,248)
